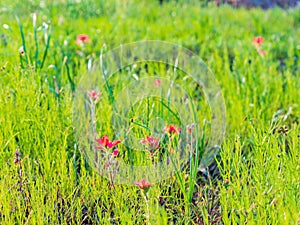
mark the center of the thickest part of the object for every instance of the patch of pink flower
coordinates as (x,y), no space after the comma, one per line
(150,141)
(115,152)
(81,39)
(94,95)
(104,142)
(258,40)
(107,164)
(157,82)
(143,184)
(171,129)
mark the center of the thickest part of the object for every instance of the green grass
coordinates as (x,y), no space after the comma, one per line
(54,183)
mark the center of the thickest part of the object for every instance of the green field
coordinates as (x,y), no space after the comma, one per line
(46,177)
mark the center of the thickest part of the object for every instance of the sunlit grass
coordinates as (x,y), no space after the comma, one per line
(54,183)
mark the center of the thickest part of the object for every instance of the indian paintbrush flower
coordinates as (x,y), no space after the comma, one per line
(81,39)
(104,142)
(94,95)
(258,40)
(151,142)
(143,184)
(171,129)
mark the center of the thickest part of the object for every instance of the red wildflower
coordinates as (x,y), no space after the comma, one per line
(152,142)
(114,143)
(171,129)
(105,143)
(82,38)
(115,152)
(94,95)
(258,40)
(143,184)
(157,82)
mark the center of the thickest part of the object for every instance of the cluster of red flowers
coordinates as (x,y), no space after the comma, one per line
(105,143)
(257,42)
(151,142)
(171,129)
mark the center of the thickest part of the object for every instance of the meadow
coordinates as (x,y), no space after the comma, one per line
(46,177)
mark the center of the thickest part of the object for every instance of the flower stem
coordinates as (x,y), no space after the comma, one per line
(147,214)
